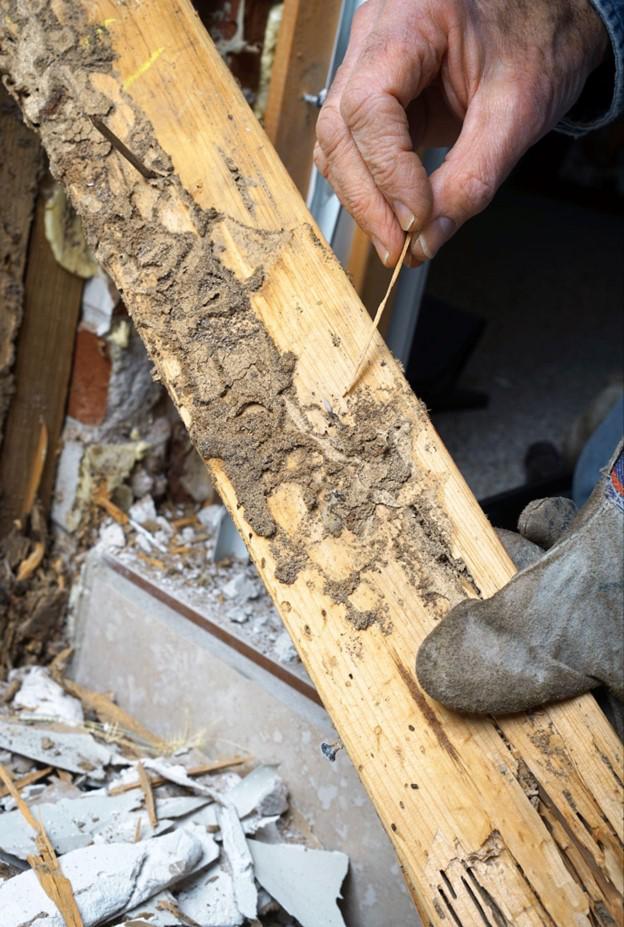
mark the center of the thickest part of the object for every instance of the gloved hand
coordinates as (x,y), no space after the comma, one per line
(556,629)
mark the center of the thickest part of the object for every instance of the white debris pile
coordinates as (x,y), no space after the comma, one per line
(142,837)
(197,557)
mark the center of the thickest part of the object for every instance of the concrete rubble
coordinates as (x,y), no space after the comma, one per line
(193,864)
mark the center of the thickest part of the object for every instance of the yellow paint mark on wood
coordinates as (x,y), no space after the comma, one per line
(143,68)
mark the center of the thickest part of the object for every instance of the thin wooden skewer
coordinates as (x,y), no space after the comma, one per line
(379,313)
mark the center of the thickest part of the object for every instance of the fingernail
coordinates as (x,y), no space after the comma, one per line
(382,251)
(406,217)
(432,238)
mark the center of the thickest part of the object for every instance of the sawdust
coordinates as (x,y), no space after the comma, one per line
(234,389)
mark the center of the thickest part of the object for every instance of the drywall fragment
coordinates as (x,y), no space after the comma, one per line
(41,697)
(179,805)
(209,899)
(108,879)
(240,863)
(69,823)
(263,791)
(67,478)
(284,648)
(112,536)
(156,912)
(77,753)
(211,516)
(241,587)
(178,775)
(143,511)
(305,882)
(99,299)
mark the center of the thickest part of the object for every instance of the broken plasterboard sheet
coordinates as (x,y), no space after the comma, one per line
(99,299)
(69,823)
(41,697)
(177,774)
(305,882)
(208,899)
(262,791)
(76,753)
(159,911)
(108,879)
(240,863)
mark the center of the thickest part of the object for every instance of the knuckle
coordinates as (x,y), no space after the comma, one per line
(386,171)
(356,104)
(330,129)
(477,192)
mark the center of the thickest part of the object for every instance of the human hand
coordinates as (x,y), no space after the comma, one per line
(488,77)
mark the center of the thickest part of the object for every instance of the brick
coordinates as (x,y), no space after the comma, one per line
(91,373)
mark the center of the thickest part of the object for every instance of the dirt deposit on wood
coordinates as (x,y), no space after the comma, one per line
(233,387)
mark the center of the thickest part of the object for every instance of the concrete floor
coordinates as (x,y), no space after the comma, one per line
(548,277)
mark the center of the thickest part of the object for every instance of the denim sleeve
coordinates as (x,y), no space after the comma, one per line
(602,100)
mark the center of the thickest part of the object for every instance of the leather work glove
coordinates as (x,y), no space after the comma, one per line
(556,629)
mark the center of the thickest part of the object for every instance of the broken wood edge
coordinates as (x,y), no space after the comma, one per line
(45,865)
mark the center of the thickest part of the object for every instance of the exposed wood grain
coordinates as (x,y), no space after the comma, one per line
(302,58)
(42,368)
(360,525)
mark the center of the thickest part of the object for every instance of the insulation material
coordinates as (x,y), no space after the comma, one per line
(41,697)
(63,230)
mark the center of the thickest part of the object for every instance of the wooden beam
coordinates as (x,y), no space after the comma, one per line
(20,167)
(357,519)
(302,58)
(42,367)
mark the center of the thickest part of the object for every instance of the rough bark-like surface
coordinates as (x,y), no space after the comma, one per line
(20,166)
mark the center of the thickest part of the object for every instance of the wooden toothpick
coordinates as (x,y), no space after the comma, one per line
(379,313)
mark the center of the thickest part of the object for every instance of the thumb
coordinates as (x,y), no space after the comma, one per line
(495,134)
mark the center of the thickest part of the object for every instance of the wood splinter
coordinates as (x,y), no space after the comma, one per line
(379,313)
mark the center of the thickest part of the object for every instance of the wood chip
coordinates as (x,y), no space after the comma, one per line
(101,499)
(379,313)
(194,771)
(45,865)
(39,459)
(146,785)
(137,831)
(28,566)
(174,909)
(28,779)
(108,712)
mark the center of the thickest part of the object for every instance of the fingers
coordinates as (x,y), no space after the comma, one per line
(495,135)
(341,164)
(364,145)
(373,105)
